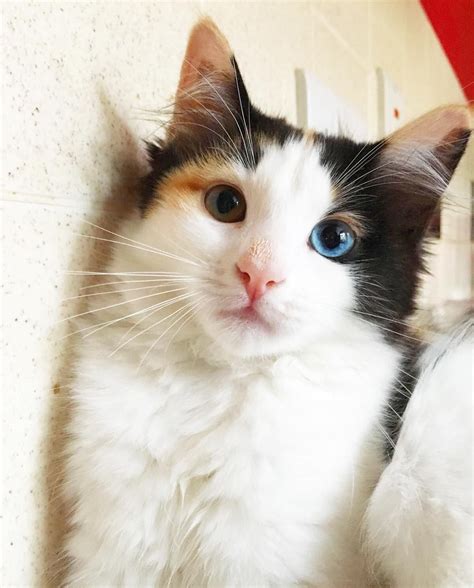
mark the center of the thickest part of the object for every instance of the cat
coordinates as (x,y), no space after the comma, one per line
(233,407)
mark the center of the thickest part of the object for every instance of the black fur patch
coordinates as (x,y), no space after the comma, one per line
(403,388)
(387,261)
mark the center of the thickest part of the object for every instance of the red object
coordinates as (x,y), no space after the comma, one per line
(453,22)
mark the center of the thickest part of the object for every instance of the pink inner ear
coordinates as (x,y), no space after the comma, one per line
(433,128)
(207,50)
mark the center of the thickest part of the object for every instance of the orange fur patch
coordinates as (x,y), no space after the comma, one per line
(184,187)
(309,137)
(260,250)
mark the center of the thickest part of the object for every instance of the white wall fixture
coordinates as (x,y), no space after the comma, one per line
(319,108)
(390,104)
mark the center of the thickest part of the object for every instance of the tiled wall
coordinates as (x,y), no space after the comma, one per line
(76,77)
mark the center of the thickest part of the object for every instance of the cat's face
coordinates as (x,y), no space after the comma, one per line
(281,237)
(249,233)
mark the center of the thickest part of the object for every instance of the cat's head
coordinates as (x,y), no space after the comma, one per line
(282,236)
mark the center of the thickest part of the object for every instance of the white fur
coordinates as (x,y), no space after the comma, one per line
(419,522)
(231,455)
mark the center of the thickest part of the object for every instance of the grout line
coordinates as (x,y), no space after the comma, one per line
(365,64)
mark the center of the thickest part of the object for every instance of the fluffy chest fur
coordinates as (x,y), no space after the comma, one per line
(233,475)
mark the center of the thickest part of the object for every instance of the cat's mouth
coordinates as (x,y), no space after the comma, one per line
(249,315)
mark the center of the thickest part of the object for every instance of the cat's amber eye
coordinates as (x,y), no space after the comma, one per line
(226,204)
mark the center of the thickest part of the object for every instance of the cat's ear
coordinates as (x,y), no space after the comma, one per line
(417,163)
(211,96)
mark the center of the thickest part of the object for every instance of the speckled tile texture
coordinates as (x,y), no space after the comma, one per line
(77,78)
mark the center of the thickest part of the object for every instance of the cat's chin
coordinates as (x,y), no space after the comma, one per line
(247,345)
(247,318)
(245,333)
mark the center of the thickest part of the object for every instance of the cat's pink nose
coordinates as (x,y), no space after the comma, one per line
(257,277)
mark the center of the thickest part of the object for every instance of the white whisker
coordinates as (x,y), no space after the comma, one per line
(91,273)
(156,250)
(386,435)
(138,322)
(243,116)
(148,328)
(157,306)
(174,243)
(232,144)
(226,105)
(408,374)
(182,325)
(177,279)
(395,412)
(153,251)
(119,291)
(119,304)
(160,337)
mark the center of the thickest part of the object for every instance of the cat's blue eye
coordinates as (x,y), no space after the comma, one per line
(332,238)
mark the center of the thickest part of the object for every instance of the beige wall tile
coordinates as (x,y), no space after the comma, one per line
(39,246)
(349,21)
(338,68)
(388,45)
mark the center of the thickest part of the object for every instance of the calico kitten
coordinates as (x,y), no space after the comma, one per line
(230,406)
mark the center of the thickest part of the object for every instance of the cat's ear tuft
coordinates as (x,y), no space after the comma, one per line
(207,52)
(418,162)
(438,138)
(210,95)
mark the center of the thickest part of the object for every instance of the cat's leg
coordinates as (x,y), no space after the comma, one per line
(119,527)
(419,521)
(93,565)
